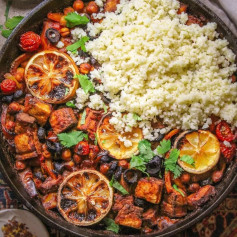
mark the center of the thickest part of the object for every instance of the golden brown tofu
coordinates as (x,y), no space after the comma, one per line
(38,109)
(176,199)
(150,189)
(130,215)
(49,201)
(150,216)
(24,143)
(62,119)
(26,156)
(91,122)
(120,201)
(173,210)
(164,221)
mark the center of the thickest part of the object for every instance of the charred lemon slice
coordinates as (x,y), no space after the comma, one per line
(120,146)
(49,76)
(202,146)
(85,197)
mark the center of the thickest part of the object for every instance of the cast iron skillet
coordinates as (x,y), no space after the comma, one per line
(10,51)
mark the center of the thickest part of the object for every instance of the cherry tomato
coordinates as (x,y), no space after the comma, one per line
(228,151)
(8,86)
(30,41)
(82,148)
(223,132)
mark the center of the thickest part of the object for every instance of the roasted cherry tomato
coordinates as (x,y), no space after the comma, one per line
(228,151)
(30,41)
(223,132)
(8,86)
(82,148)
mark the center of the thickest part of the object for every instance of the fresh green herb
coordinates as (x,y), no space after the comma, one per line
(164,146)
(9,3)
(66,91)
(136,117)
(83,117)
(86,137)
(188,159)
(71,104)
(105,108)
(72,138)
(11,23)
(145,155)
(6,33)
(177,189)
(96,139)
(73,19)
(1,27)
(111,225)
(85,83)
(118,186)
(171,163)
(79,44)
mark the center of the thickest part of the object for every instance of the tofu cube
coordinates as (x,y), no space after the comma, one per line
(24,143)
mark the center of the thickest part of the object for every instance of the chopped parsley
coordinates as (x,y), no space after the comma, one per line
(136,117)
(111,225)
(71,104)
(73,19)
(79,44)
(96,139)
(105,108)
(85,83)
(177,189)
(118,186)
(72,138)
(83,117)
(164,147)
(66,91)
(188,159)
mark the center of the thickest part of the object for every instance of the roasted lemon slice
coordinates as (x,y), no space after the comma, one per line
(49,76)
(120,146)
(85,197)
(202,146)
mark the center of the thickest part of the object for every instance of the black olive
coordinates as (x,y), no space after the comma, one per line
(160,137)
(105,159)
(7,98)
(41,134)
(206,182)
(118,173)
(154,166)
(105,99)
(51,146)
(139,202)
(130,176)
(112,168)
(91,215)
(52,35)
(18,94)
(58,147)
(102,153)
(59,167)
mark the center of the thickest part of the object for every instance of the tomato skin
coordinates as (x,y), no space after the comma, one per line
(82,148)
(8,86)
(228,152)
(223,132)
(30,41)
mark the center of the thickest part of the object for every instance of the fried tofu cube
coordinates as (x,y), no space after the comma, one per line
(24,143)
(38,109)
(150,189)
(130,215)
(173,211)
(150,216)
(62,120)
(120,201)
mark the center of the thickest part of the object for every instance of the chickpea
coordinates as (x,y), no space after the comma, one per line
(14,108)
(10,125)
(65,32)
(124,164)
(194,187)
(92,7)
(185,178)
(47,154)
(20,165)
(85,68)
(217,176)
(77,159)
(66,155)
(20,74)
(68,10)
(78,5)
(63,21)
(104,168)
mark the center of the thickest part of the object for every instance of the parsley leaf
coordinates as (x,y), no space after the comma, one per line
(85,83)
(164,146)
(177,189)
(136,117)
(118,186)
(11,23)
(9,3)
(171,163)
(73,19)
(72,138)
(188,159)
(111,225)
(83,117)
(138,163)
(6,33)
(66,91)
(105,108)
(145,150)
(96,139)
(71,104)
(79,44)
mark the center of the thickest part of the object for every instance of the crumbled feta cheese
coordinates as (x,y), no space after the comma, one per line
(60,44)
(126,142)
